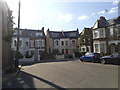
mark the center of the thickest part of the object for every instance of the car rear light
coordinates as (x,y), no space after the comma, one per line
(94,56)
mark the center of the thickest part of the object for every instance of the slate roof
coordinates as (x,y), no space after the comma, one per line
(101,23)
(85,30)
(63,34)
(115,20)
(30,33)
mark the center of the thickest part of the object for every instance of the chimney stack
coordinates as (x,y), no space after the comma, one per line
(102,18)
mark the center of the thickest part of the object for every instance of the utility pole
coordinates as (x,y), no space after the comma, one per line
(17,49)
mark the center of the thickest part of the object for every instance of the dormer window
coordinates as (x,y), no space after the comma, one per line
(72,34)
(55,34)
(39,34)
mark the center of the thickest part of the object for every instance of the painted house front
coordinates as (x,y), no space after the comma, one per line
(106,36)
(114,35)
(64,41)
(32,42)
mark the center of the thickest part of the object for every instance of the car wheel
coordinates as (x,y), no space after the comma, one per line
(81,60)
(103,61)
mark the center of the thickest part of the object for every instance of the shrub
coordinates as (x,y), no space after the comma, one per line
(79,54)
(27,55)
(20,56)
(83,52)
(56,52)
(46,55)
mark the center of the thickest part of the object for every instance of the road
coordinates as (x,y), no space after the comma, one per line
(67,74)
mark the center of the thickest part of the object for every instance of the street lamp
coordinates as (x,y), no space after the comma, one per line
(17,49)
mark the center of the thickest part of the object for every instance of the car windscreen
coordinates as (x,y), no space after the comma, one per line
(96,54)
(89,54)
(115,55)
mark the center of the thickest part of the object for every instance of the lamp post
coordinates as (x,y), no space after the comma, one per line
(17,48)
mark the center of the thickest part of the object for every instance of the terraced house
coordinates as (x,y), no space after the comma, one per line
(65,42)
(32,43)
(106,35)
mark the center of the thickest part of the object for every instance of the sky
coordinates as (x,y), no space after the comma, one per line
(58,15)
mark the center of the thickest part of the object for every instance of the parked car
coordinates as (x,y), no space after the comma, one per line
(113,59)
(94,57)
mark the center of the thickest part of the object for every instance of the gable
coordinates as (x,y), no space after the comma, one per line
(95,25)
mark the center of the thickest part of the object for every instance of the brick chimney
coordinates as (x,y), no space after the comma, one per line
(102,18)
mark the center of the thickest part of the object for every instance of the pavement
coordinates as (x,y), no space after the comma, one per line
(8,77)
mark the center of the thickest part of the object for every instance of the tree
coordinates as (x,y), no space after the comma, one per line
(86,37)
(10,24)
(55,52)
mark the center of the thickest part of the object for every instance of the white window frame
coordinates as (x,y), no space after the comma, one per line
(102,32)
(39,34)
(43,43)
(96,32)
(31,43)
(37,43)
(111,34)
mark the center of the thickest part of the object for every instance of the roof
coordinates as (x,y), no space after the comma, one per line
(102,22)
(115,20)
(30,33)
(85,30)
(63,34)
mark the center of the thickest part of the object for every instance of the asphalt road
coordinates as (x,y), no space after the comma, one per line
(68,74)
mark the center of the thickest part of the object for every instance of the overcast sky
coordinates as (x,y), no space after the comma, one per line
(57,16)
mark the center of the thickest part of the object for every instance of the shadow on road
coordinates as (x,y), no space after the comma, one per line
(29,78)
